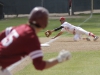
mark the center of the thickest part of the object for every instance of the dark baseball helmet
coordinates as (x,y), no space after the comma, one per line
(39,17)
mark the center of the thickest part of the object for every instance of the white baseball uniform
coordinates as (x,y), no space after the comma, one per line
(71,29)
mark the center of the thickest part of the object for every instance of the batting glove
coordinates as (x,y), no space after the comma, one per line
(63,55)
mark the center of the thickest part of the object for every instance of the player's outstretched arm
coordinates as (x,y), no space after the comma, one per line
(60,33)
(56,29)
(49,32)
(62,56)
(41,64)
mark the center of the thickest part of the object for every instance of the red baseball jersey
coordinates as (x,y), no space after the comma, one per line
(17,42)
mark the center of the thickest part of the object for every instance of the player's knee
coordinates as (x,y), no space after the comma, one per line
(76,39)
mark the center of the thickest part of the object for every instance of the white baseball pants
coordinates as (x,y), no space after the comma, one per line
(79,32)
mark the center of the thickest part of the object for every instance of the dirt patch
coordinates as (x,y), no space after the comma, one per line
(68,44)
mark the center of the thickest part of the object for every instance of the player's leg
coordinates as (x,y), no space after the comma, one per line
(82,31)
(77,37)
(92,35)
(95,38)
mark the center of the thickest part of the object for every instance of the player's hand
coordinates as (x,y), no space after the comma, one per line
(63,56)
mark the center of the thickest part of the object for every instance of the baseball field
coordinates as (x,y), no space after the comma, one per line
(85,54)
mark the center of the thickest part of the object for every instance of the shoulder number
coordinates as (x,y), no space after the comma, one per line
(9,39)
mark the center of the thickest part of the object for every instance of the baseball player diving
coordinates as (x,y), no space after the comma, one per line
(75,30)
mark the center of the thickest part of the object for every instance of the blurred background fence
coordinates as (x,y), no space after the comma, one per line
(16,7)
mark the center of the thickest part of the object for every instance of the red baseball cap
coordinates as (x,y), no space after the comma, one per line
(62,18)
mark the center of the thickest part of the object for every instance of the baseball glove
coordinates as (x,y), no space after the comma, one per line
(48,33)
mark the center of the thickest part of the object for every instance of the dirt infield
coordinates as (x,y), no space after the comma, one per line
(66,43)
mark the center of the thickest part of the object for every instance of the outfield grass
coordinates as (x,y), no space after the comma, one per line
(11,22)
(92,25)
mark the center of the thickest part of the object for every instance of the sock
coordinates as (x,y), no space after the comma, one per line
(91,34)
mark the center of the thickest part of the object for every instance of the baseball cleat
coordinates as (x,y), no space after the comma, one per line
(88,39)
(96,37)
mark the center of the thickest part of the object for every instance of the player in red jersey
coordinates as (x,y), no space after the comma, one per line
(17,42)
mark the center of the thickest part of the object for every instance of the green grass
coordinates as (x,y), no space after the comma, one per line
(81,63)
(92,25)
(11,22)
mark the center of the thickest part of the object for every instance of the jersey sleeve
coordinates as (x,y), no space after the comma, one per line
(56,29)
(35,52)
(66,26)
(37,58)
(63,30)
